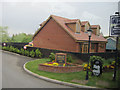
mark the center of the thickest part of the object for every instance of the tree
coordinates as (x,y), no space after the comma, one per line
(4,36)
(28,38)
(22,37)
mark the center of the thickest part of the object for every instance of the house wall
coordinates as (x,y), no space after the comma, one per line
(52,36)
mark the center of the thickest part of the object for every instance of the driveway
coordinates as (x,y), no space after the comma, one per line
(13,75)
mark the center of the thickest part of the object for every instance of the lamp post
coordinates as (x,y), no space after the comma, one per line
(89,34)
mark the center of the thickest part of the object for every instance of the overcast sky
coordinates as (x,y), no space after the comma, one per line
(27,16)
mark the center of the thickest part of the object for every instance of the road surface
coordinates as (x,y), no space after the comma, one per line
(13,75)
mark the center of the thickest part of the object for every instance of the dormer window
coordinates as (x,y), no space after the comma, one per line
(85,26)
(96,29)
(74,25)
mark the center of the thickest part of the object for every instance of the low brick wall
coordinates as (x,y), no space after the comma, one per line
(60,69)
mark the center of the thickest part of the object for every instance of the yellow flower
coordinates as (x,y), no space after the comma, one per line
(107,66)
(88,67)
(85,65)
(53,60)
(112,66)
(50,64)
(45,64)
(113,62)
(56,64)
(63,64)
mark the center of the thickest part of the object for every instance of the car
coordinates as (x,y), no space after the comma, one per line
(28,45)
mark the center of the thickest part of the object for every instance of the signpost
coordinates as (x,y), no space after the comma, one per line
(115,31)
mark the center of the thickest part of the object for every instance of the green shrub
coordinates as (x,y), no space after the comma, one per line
(26,53)
(69,58)
(0,47)
(15,50)
(52,56)
(7,48)
(38,53)
(11,49)
(32,53)
(18,51)
(22,51)
(93,58)
(4,48)
(108,61)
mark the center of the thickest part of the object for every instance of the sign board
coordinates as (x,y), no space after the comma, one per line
(115,25)
(60,58)
(97,68)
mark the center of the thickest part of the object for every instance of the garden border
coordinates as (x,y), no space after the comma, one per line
(55,81)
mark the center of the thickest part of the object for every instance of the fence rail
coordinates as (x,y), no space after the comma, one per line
(46,52)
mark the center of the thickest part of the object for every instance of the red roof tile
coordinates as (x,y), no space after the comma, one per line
(82,36)
(84,22)
(95,26)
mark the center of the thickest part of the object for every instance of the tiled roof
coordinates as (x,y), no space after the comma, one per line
(82,36)
(84,22)
(95,26)
(42,23)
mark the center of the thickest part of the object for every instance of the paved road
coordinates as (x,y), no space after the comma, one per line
(13,75)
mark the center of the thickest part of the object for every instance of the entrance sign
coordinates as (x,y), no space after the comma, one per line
(60,57)
(115,24)
(97,68)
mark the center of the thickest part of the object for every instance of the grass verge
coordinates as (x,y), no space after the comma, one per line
(104,81)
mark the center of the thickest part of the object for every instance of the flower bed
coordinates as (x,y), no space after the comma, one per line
(61,69)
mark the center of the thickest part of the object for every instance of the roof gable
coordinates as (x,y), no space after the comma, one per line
(85,22)
(82,36)
(111,39)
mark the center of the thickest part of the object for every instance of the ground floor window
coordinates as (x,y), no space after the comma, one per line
(84,47)
(102,46)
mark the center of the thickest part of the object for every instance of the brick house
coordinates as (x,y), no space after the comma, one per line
(70,35)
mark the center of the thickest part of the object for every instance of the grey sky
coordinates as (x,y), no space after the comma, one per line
(26,16)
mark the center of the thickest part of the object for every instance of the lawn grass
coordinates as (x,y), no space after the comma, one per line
(104,81)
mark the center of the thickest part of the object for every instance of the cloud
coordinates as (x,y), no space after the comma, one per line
(90,17)
(61,8)
(60,0)
(0,14)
